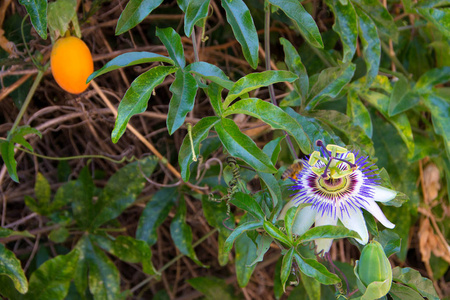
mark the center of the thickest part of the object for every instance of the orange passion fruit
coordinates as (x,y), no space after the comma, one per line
(71,63)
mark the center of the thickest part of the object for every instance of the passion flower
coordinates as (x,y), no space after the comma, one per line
(337,183)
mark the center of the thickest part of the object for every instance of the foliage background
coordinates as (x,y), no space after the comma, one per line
(406,119)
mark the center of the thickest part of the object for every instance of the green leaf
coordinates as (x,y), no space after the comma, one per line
(60,14)
(37,9)
(381,17)
(136,98)
(440,115)
(313,268)
(213,288)
(402,98)
(312,287)
(343,123)
(249,204)
(172,41)
(184,89)
(59,235)
(295,65)
(10,266)
(401,122)
(276,233)
(431,78)
(255,81)
(241,146)
(315,129)
(217,216)
(154,214)
(390,241)
(182,233)
(240,19)
(304,21)
(199,133)
(272,115)
(439,17)
(345,24)
(413,279)
(5,232)
(359,113)
(134,251)
(210,72)
(103,277)
(17,136)
(251,225)
(371,45)
(400,292)
(286,267)
(121,190)
(327,231)
(52,279)
(7,152)
(196,10)
(330,83)
(42,191)
(134,13)
(214,93)
(83,192)
(245,255)
(130,59)
(273,187)
(262,246)
(273,149)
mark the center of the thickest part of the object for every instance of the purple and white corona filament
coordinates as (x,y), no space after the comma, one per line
(338,184)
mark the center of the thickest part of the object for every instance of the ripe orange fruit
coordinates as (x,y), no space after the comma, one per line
(71,63)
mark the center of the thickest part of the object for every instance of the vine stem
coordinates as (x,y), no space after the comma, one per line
(24,107)
(267,60)
(143,139)
(174,260)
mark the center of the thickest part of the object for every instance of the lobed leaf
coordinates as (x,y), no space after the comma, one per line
(313,268)
(10,266)
(181,232)
(154,214)
(249,204)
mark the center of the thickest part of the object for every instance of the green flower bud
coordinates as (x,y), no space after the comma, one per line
(374,264)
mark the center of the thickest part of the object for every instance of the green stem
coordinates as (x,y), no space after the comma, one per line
(133,158)
(194,45)
(33,88)
(174,260)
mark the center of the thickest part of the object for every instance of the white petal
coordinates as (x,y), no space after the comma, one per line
(305,218)
(325,220)
(375,210)
(324,244)
(356,223)
(382,194)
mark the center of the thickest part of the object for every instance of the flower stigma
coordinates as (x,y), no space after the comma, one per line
(338,183)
